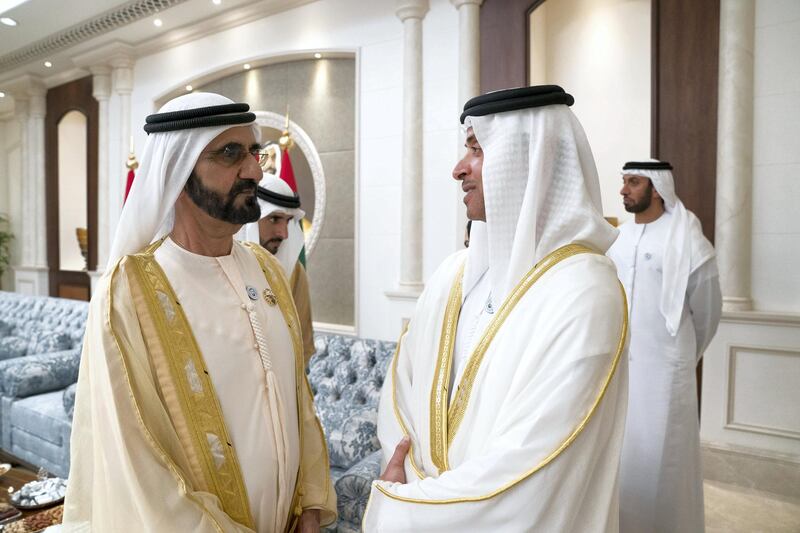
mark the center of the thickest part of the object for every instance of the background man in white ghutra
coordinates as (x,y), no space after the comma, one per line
(507,392)
(280,232)
(670,273)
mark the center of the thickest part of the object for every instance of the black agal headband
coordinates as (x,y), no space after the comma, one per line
(514,99)
(647,165)
(281,200)
(200,117)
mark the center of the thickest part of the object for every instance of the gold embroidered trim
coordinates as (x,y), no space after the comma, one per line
(397,415)
(440,388)
(199,405)
(154,444)
(555,453)
(277,281)
(461,399)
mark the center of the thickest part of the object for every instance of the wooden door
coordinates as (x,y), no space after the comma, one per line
(71,178)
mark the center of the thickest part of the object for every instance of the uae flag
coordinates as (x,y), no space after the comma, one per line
(132,164)
(287,175)
(128,183)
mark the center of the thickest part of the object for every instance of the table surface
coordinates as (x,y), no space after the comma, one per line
(15,478)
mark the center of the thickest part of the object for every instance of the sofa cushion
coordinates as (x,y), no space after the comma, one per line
(11,347)
(5,328)
(353,487)
(353,437)
(69,399)
(36,374)
(49,341)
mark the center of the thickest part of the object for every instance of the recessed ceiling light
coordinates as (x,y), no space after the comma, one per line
(2,94)
(247,66)
(157,23)
(189,88)
(216,2)
(8,21)
(48,64)
(317,56)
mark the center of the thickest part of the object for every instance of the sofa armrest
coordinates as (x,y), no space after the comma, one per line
(353,488)
(37,374)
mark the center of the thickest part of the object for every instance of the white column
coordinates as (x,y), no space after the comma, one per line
(411,13)
(469,49)
(101,91)
(469,82)
(122,85)
(37,109)
(31,274)
(735,152)
(26,226)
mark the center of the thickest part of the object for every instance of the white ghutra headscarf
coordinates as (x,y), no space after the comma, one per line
(686,249)
(541,192)
(167,161)
(289,251)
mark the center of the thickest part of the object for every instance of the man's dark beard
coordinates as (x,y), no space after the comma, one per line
(274,242)
(224,208)
(642,204)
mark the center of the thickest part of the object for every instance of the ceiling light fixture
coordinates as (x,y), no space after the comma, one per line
(157,23)
(8,21)
(216,2)
(247,66)
(48,64)
(189,88)
(317,56)
(2,94)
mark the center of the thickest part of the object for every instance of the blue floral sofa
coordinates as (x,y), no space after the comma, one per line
(40,344)
(346,375)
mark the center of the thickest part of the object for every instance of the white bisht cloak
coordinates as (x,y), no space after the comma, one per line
(534,437)
(538,448)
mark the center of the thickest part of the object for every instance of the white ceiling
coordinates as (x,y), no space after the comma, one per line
(42,19)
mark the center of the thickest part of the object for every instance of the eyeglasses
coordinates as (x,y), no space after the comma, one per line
(233,154)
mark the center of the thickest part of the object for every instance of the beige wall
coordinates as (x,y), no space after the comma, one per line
(776,158)
(599,51)
(321,99)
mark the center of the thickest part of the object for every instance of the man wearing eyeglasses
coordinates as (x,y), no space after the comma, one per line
(192,410)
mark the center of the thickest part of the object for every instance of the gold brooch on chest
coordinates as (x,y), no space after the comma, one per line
(269,297)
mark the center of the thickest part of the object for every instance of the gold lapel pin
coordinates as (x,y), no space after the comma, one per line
(269,297)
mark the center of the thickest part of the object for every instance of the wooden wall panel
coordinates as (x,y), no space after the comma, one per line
(504,43)
(684,104)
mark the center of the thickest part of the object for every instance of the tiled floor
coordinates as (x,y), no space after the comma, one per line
(733,509)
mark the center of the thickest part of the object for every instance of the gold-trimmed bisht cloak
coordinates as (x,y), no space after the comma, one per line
(159,441)
(530,439)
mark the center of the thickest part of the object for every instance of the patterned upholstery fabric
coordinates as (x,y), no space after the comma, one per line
(12,347)
(37,374)
(68,399)
(35,423)
(346,376)
(353,487)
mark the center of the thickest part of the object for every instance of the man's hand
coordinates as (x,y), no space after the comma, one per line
(395,472)
(309,521)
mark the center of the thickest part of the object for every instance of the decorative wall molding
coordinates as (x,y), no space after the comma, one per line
(766,318)
(730,408)
(306,145)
